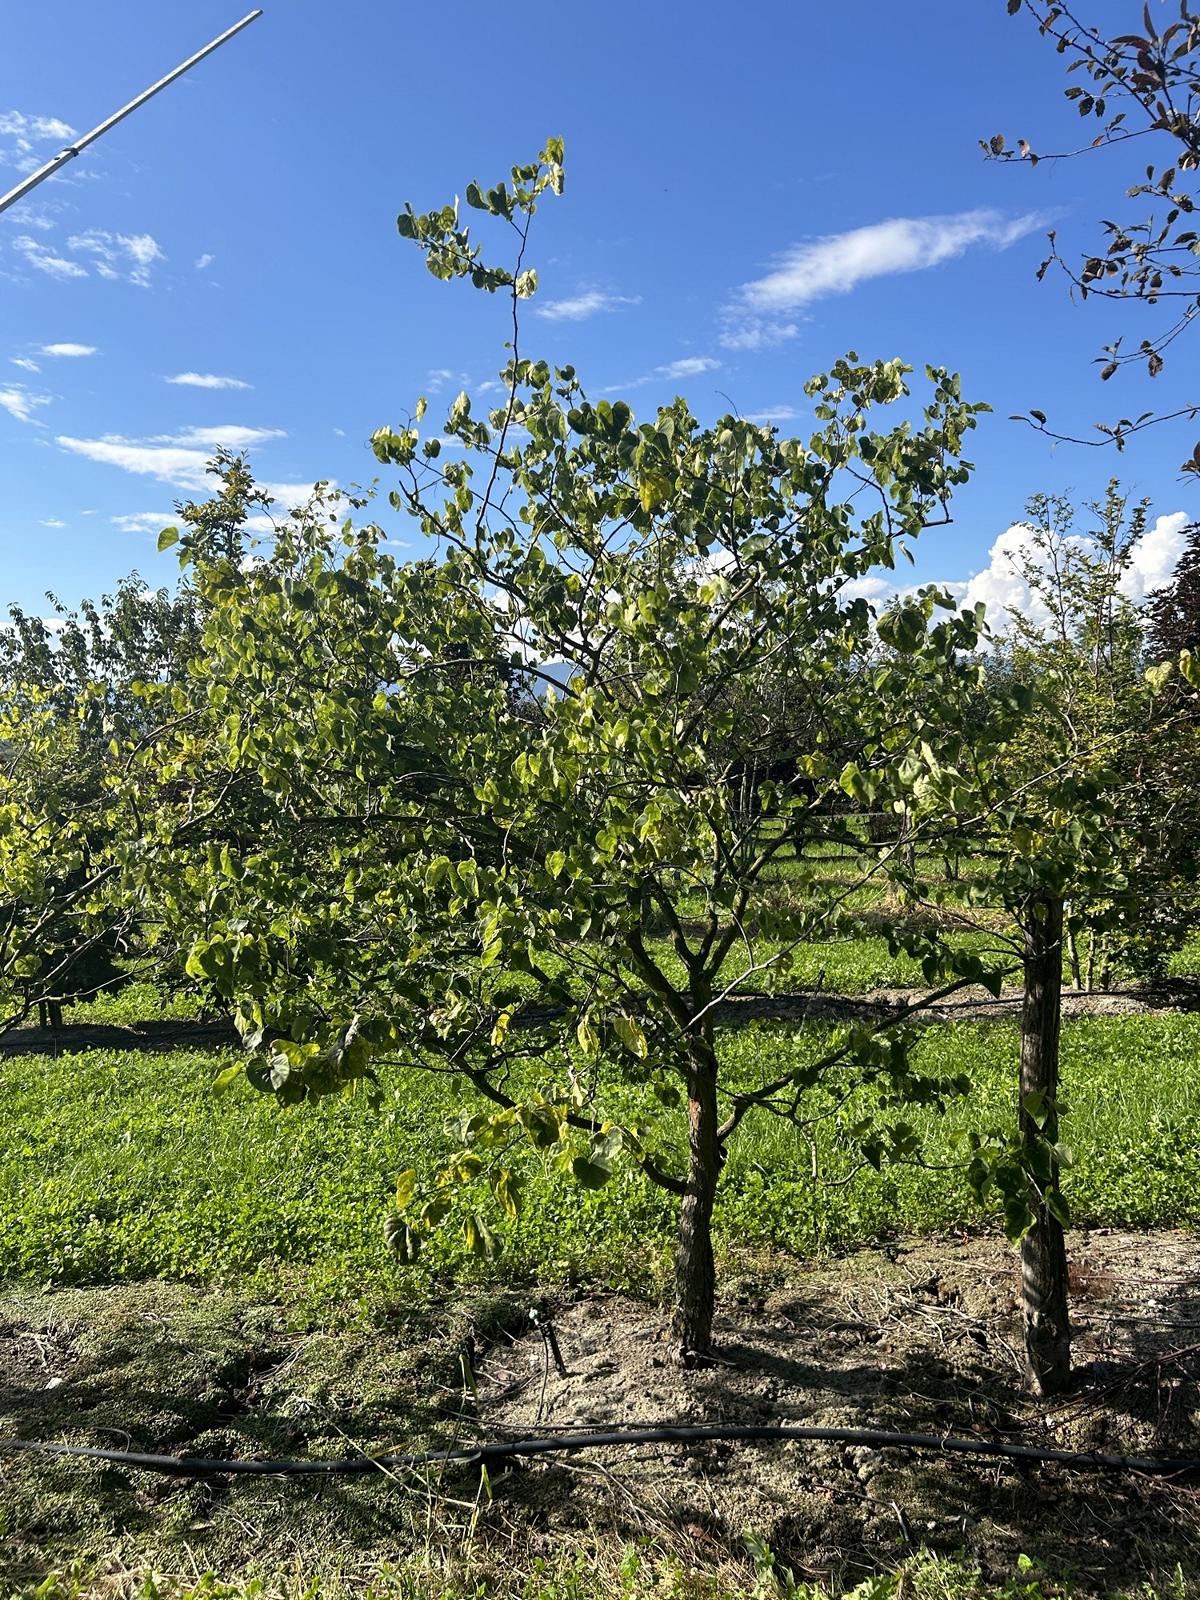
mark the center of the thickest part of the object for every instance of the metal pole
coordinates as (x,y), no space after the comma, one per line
(72,150)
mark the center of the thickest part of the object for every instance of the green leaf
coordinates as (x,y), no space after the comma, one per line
(590,1173)
(401,1240)
(406,1187)
(167,538)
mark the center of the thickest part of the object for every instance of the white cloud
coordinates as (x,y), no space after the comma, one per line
(204,261)
(25,364)
(16,124)
(869,588)
(53,522)
(227,436)
(169,464)
(19,403)
(1003,588)
(838,262)
(437,378)
(39,256)
(119,254)
(687,367)
(774,414)
(67,350)
(671,371)
(585,305)
(289,495)
(179,459)
(1154,557)
(144,521)
(21,134)
(755,333)
(207,380)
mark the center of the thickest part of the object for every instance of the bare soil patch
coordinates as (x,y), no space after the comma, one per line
(920,1337)
(923,1338)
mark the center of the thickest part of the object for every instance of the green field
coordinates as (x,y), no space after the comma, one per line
(152,1219)
(127,1166)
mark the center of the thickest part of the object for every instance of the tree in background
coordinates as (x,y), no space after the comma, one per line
(1173,612)
(68,703)
(1138,86)
(1087,840)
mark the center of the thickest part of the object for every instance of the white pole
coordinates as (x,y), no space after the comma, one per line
(72,150)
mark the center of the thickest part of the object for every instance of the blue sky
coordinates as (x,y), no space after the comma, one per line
(749,194)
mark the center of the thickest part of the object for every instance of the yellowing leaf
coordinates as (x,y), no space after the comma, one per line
(631,1036)
(654,488)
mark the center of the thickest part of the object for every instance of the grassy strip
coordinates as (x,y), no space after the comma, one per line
(125,1167)
(636,1574)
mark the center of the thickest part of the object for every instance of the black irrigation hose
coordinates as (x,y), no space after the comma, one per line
(199,1467)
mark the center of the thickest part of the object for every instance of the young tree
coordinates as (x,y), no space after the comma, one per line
(1081,817)
(495,816)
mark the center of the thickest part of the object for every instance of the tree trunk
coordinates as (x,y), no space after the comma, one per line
(695,1274)
(1073,953)
(1043,1249)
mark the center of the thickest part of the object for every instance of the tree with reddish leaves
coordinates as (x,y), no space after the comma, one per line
(1140,87)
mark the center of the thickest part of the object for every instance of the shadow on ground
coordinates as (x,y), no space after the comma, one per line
(919,1338)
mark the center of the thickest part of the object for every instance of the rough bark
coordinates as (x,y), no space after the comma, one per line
(1043,1249)
(695,1273)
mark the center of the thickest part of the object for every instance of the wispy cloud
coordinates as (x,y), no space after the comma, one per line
(179,459)
(204,261)
(836,263)
(228,436)
(21,134)
(25,364)
(744,332)
(20,403)
(119,255)
(588,304)
(53,522)
(67,350)
(169,464)
(143,521)
(687,367)
(207,380)
(773,414)
(16,125)
(669,372)
(43,259)
(438,378)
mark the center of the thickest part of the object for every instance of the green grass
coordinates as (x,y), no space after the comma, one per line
(138,1001)
(636,1574)
(1185,963)
(124,1166)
